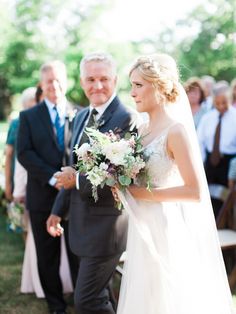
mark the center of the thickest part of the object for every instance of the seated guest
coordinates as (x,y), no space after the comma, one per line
(217,138)
(208,83)
(196,96)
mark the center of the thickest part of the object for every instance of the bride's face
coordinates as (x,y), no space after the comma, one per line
(143,92)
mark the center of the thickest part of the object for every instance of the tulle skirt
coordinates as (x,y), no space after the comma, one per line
(165,272)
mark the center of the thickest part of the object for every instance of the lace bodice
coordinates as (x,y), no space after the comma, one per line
(162,169)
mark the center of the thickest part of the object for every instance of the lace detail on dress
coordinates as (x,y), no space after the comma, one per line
(163,170)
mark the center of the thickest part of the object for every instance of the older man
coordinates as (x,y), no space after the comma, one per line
(217,138)
(41,150)
(97,230)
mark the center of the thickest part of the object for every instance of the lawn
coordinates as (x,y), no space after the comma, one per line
(11,258)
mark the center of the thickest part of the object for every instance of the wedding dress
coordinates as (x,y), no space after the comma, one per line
(174,263)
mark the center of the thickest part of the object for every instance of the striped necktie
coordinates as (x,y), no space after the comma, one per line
(215,155)
(59,130)
(84,138)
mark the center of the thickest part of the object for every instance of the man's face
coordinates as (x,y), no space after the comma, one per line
(98,82)
(221,103)
(53,84)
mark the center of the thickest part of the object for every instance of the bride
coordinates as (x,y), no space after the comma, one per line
(174,263)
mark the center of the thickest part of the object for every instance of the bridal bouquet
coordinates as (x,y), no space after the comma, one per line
(110,160)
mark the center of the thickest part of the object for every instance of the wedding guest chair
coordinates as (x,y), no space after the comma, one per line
(226,223)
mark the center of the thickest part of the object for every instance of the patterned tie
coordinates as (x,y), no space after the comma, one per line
(59,130)
(215,154)
(84,138)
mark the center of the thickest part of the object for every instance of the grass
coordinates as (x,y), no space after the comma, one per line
(11,258)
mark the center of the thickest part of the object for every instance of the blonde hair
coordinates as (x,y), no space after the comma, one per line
(160,70)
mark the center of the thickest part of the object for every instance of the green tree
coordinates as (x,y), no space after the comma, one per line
(213,50)
(23,53)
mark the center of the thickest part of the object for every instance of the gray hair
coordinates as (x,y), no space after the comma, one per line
(27,95)
(221,88)
(98,57)
(56,64)
(207,79)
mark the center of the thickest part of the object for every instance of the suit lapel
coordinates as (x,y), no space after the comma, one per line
(77,128)
(108,113)
(78,125)
(69,121)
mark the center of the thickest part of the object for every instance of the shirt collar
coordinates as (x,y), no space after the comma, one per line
(61,107)
(101,109)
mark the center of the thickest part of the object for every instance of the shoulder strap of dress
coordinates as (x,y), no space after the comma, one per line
(166,130)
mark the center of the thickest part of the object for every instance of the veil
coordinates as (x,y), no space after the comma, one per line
(199,271)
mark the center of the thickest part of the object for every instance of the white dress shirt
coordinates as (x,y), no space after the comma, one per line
(61,109)
(206,132)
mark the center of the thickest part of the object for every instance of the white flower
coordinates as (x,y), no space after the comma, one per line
(117,151)
(103,166)
(96,176)
(82,150)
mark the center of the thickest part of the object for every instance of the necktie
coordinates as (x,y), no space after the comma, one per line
(84,138)
(59,130)
(215,155)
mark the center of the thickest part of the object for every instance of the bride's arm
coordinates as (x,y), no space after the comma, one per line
(178,147)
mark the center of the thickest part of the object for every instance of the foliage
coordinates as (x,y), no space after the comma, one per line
(213,50)
(35,31)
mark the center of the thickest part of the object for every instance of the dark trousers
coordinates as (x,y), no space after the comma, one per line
(48,256)
(92,289)
(218,175)
(72,258)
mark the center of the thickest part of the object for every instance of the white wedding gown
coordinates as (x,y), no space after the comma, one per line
(163,272)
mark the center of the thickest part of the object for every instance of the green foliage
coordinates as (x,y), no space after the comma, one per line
(34,32)
(213,50)
(75,92)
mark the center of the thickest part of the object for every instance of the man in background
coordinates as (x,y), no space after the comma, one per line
(42,146)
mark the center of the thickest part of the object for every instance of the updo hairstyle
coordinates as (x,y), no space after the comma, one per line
(162,72)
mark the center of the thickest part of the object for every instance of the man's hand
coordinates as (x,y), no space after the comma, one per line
(19,199)
(53,226)
(66,178)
